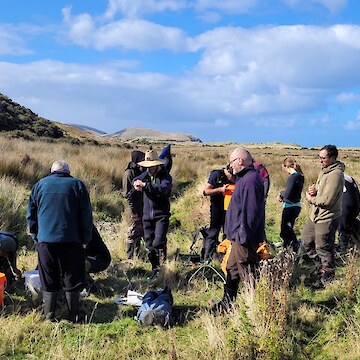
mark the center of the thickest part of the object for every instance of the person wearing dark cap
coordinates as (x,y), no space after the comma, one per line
(134,208)
(59,217)
(8,248)
(156,184)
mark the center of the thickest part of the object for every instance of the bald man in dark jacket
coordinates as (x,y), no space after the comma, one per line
(244,225)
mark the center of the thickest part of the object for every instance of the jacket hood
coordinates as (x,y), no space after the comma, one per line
(338,165)
(137,156)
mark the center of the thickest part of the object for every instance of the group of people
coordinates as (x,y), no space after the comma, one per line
(334,206)
(69,247)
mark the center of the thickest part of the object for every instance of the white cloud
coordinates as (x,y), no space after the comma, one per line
(137,8)
(353,124)
(266,76)
(140,35)
(221,122)
(127,33)
(298,56)
(347,98)
(283,122)
(228,6)
(331,5)
(11,41)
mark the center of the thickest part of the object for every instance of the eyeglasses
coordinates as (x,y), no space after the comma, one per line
(231,161)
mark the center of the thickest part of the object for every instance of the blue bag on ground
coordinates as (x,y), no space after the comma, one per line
(156,308)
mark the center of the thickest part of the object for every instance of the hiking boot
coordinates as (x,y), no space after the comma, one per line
(154,274)
(325,277)
(219,307)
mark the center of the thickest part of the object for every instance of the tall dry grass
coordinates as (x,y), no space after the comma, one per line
(270,320)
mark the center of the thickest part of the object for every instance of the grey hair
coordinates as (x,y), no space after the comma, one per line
(243,154)
(61,166)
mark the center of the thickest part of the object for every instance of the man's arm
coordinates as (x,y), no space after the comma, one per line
(211,190)
(329,193)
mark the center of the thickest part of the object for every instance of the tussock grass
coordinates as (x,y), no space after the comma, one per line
(274,318)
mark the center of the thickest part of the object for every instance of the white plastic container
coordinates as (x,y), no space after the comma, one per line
(32,282)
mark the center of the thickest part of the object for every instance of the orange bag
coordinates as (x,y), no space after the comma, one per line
(227,195)
(263,251)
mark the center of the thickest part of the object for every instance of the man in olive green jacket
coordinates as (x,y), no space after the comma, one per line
(325,198)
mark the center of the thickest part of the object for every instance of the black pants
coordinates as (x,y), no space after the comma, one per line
(346,225)
(61,265)
(155,231)
(217,219)
(288,218)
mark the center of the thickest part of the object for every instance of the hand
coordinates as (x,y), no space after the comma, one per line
(308,196)
(312,190)
(135,217)
(138,185)
(279,198)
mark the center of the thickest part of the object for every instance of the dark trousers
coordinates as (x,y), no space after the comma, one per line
(217,219)
(61,265)
(346,225)
(134,234)
(155,231)
(288,218)
(318,239)
(241,264)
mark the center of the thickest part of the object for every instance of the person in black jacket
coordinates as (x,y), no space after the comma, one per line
(290,198)
(8,247)
(349,211)
(244,226)
(215,188)
(156,184)
(134,208)
(97,258)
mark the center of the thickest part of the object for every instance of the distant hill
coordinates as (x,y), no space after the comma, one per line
(20,121)
(23,122)
(140,134)
(88,129)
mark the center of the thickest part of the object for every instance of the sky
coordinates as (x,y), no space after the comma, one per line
(247,71)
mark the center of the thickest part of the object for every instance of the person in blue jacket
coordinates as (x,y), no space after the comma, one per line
(156,184)
(59,217)
(290,198)
(244,226)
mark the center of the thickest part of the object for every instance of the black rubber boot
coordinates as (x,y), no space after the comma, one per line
(72,300)
(225,304)
(49,304)
(129,250)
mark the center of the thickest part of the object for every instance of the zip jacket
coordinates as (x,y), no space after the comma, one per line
(156,193)
(326,205)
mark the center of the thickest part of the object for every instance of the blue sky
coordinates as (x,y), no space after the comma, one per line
(231,70)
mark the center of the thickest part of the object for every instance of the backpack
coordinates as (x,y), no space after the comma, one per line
(156,308)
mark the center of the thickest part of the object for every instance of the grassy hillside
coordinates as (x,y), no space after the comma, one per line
(279,319)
